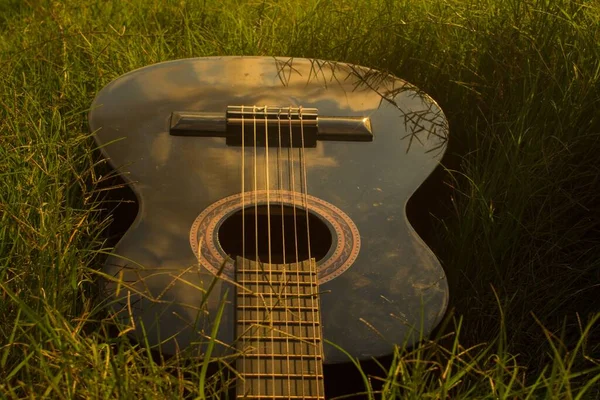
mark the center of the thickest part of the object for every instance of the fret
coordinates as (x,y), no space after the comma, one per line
(289,315)
(293,348)
(308,339)
(268,320)
(277,272)
(277,323)
(278,316)
(281,355)
(291,376)
(279,275)
(292,302)
(297,332)
(289,279)
(266,324)
(277,295)
(265,298)
(290,284)
(278,308)
(282,291)
(253,266)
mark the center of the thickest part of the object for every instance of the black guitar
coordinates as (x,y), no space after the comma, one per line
(271,217)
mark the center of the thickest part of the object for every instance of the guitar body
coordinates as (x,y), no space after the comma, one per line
(378,283)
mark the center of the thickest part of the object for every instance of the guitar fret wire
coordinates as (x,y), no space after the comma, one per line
(258,322)
(274,375)
(282,272)
(296,295)
(275,308)
(296,356)
(271,284)
(302,339)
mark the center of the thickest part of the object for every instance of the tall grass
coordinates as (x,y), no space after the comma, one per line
(517,227)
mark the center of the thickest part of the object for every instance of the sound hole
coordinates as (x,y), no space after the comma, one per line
(286,236)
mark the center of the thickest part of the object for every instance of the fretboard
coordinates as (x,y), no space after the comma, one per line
(279,331)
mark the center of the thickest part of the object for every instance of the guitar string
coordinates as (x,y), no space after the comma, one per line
(283,278)
(313,284)
(242,331)
(256,254)
(298,294)
(270,266)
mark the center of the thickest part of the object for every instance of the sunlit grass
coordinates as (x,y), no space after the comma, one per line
(517,227)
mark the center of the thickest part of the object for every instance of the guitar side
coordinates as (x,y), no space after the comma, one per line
(394,292)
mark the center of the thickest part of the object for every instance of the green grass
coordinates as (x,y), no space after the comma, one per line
(517,226)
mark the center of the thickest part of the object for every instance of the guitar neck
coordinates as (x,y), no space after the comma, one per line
(279,331)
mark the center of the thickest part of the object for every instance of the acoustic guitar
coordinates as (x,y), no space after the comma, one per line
(271,226)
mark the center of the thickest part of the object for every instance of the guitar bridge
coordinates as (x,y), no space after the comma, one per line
(270,126)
